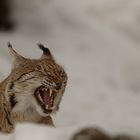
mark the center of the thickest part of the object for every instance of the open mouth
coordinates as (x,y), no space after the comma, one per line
(45,97)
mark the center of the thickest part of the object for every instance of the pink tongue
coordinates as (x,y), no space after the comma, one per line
(46,98)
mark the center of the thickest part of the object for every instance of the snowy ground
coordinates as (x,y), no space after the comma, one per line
(98,42)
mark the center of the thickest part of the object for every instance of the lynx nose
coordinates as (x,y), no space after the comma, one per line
(58,85)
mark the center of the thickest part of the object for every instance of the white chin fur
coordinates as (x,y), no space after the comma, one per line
(40,111)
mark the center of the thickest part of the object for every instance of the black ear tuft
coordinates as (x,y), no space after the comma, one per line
(44,49)
(9,45)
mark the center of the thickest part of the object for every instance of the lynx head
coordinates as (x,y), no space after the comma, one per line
(35,83)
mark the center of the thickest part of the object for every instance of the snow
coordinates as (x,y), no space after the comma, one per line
(98,44)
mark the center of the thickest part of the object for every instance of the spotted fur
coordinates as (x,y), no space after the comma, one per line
(17,101)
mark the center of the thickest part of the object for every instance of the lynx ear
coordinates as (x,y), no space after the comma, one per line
(46,51)
(17,58)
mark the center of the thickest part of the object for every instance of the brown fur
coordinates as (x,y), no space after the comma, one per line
(17,101)
(91,134)
(97,134)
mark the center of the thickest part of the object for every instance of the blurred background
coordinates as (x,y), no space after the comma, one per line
(97,42)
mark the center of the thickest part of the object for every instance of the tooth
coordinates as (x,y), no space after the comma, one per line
(40,97)
(50,92)
(46,106)
(46,89)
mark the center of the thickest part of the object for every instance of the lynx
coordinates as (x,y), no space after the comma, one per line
(33,90)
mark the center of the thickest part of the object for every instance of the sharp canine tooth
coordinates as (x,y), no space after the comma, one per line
(50,92)
(46,106)
(40,97)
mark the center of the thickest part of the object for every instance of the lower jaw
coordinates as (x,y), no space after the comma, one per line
(47,111)
(43,108)
(44,113)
